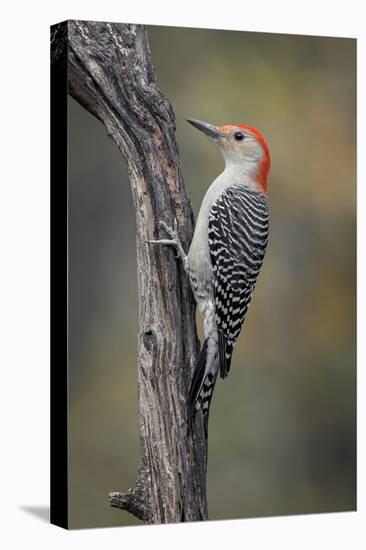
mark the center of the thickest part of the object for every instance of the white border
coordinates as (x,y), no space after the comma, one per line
(24,219)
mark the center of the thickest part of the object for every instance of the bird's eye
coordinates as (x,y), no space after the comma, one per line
(239,136)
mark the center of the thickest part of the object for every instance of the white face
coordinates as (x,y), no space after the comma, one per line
(245,151)
(239,146)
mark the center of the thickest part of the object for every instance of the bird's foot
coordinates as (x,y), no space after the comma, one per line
(172,232)
(173,241)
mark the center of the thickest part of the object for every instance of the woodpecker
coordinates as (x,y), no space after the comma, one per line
(226,253)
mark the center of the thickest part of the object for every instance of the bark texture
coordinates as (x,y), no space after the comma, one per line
(112,76)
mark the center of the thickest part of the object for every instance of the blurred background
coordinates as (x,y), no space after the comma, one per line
(282,436)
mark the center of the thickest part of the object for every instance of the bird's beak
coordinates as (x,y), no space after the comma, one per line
(205,127)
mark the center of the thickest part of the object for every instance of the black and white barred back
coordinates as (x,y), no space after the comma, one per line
(237,234)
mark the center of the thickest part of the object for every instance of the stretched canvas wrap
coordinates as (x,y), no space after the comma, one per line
(156,417)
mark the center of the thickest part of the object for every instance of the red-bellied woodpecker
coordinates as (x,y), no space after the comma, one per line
(226,252)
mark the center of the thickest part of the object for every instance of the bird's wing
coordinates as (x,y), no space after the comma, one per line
(237,236)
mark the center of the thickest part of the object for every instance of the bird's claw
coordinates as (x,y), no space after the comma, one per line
(174,238)
(173,233)
(173,241)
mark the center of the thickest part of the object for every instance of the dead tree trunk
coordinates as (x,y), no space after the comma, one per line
(111,74)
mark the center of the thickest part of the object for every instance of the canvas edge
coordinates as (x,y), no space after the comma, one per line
(59,287)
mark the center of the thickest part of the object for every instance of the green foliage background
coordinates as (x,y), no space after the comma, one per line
(283,425)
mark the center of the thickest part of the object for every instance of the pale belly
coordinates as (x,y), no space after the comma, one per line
(200,266)
(200,270)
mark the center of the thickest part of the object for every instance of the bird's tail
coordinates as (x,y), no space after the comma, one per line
(201,390)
